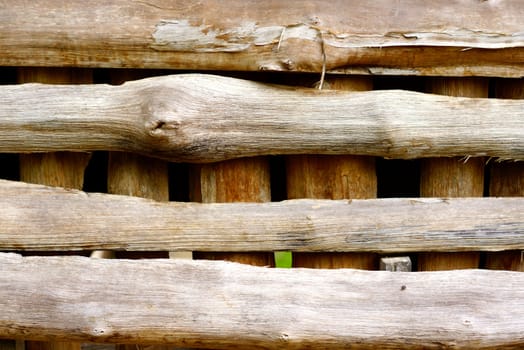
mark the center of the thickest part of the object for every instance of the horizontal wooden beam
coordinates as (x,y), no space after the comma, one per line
(227,305)
(36,217)
(440,37)
(205,118)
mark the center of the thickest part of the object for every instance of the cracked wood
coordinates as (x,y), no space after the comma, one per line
(206,118)
(441,37)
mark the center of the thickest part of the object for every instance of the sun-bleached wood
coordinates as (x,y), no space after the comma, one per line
(135,175)
(334,177)
(65,169)
(57,168)
(451,177)
(204,118)
(36,217)
(228,305)
(440,37)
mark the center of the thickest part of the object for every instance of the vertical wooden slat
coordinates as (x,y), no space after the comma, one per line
(236,180)
(452,177)
(65,169)
(507,180)
(136,175)
(334,177)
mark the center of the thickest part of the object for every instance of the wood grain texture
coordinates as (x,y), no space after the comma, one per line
(334,177)
(451,177)
(133,174)
(203,118)
(507,180)
(384,37)
(228,305)
(235,180)
(65,169)
(36,217)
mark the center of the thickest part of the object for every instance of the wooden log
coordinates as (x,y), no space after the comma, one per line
(229,305)
(507,180)
(64,169)
(472,37)
(236,180)
(334,177)
(451,177)
(203,118)
(36,217)
(134,175)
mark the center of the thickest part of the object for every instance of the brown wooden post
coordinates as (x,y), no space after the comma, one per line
(507,180)
(236,180)
(334,177)
(452,177)
(65,169)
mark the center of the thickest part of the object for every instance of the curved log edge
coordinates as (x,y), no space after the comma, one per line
(206,118)
(482,38)
(36,217)
(227,305)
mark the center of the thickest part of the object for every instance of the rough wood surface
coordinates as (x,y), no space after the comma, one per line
(36,217)
(451,177)
(441,37)
(65,169)
(507,179)
(234,180)
(203,118)
(230,305)
(334,177)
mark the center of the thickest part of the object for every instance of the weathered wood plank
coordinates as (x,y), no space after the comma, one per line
(441,37)
(204,118)
(229,305)
(36,217)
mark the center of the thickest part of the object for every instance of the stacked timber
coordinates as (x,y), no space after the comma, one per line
(275,143)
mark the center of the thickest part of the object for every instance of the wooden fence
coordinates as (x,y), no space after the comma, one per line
(342,132)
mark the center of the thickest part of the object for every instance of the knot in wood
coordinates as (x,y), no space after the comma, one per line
(157,128)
